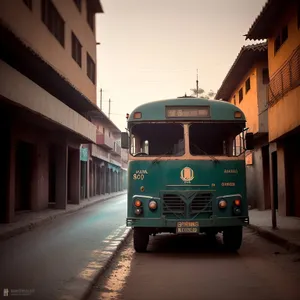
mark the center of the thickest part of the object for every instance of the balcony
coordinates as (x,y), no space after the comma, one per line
(104,141)
(285,79)
(283,98)
(117,149)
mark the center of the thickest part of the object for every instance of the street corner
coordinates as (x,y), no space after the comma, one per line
(79,287)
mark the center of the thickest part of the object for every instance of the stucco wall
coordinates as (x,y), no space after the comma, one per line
(278,59)
(21,90)
(284,116)
(28,26)
(249,103)
(254,179)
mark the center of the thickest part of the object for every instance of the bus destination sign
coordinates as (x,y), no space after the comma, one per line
(187,112)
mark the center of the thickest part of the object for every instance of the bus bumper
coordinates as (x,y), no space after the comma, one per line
(212,222)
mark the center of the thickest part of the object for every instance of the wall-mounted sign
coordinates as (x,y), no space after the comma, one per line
(84,154)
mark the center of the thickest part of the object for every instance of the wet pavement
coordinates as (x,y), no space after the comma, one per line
(38,264)
(178,268)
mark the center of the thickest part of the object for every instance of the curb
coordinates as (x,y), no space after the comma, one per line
(80,289)
(32,225)
(290,246)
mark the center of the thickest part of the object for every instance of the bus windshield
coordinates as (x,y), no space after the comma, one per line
(220,139)
(156,139)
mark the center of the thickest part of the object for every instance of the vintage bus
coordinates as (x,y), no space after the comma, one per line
(186,171)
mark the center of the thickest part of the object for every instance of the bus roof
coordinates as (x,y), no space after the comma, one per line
(156,110)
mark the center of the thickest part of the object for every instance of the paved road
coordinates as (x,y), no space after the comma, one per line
(49,256)
(179,268)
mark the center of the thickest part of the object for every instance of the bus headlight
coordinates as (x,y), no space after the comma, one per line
(237,211)
(153,205)
(222,204)
(138,211)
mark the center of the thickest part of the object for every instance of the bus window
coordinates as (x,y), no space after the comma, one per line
(158,139)
(214,138)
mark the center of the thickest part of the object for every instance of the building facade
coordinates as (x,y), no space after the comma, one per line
(283,38)
(47,96)
(104,164)
(245,86)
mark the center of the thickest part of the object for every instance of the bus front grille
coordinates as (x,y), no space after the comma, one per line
(202,203)
(173,204)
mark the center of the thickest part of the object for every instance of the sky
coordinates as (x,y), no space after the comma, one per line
(151,49)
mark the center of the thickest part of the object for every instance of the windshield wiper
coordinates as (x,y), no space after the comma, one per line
(211,156)
(157,159)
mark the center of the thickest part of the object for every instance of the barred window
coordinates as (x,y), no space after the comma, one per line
(281,38)
(248,86)
(53,20)
(241,96)
(91,68)
(76,49)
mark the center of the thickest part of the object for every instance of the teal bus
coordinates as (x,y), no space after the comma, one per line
(186,170)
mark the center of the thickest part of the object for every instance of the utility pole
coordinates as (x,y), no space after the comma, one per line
(197,84)
(109,101)
(101,99)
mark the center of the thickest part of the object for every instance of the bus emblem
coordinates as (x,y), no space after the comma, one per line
(187,174)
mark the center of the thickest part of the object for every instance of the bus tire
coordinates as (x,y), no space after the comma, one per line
(140,239)
(232,238)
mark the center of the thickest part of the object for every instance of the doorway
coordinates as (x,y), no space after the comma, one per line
(52,173)
(25,153)
(275,179)
(292,161)
(266,176)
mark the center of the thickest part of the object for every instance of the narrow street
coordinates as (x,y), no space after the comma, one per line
(45,259)
(191,268)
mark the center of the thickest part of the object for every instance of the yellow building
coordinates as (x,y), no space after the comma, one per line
(279,23)
(245,86)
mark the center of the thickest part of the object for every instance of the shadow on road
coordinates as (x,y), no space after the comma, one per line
(195,246)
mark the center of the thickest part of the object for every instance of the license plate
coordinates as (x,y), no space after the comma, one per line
(187,227)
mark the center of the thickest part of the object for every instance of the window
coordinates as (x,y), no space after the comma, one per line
(157,139)
(28,3)
(90,18)
(53,21)
(78,4)
(91,69)
(76,49)
(281,38)
(248,86)
(214,139)
(265,76)
(298,17)
(241,96)
(284,34)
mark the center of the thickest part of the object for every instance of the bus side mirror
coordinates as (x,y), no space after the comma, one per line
(249,141)
(124,140)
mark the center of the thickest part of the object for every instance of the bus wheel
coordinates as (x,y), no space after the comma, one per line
(232,238)
(140,239)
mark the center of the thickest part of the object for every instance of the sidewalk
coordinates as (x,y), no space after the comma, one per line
(27,221)
(288,233)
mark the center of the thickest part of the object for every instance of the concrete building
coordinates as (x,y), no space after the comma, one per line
(104,159)
(283,38)
(47,98)
(245,86)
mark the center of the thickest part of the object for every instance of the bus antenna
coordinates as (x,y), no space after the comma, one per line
(197,85)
